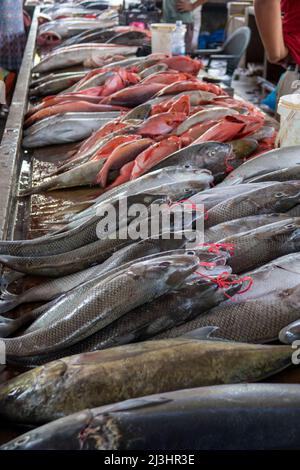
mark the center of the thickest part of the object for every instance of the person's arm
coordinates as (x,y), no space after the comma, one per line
(185,5)
(269,23)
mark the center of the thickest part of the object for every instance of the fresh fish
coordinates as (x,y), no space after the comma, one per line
(95,80)
(294,212)
(103,377)
(85,256)
(268,162)
(139,112)
(95,35)
(149,248)
(121,155)
(196,295)
(211,114)
(284,174)
(87,173)
(55,83)
(156,179)
(82,175)
(260,245)
(213,196)
(100,303)
(130,38)
(290,333)
(215,156)
(133,96)
(79,54)
(275,197)
(64,128)
(258,315)
(234,227)
(236,417)
(153,69)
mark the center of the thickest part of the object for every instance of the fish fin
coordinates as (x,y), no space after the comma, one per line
(204,333)
(8,304)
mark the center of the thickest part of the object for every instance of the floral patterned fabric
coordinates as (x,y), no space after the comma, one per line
(12,34)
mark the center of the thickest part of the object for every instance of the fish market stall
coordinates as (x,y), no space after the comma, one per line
(132,329)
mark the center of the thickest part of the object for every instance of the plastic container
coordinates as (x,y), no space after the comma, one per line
(289,111)
(178,42)
(161,37)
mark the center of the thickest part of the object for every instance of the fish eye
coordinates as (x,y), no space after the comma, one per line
(187,166)
(186,190)
(212,153)
(280,195)
(290,226)
(165,264)
(191,253)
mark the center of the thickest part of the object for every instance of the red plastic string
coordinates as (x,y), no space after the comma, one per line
(217,247)
(222,281)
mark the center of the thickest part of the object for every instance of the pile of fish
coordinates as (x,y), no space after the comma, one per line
(139,341)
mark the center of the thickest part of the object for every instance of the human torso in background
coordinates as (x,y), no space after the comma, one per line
(291,27)
(171,14)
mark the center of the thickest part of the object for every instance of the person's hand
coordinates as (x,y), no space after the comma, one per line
(184,6)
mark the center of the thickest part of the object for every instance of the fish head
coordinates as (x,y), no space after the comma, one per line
(170,270)
(290,333)
(242,148)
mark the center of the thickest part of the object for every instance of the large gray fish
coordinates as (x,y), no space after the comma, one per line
(235,417)
(215,156)
(82,175)
(79,54)
(263,244)
(275,197)
(54,287)
(258,315)
(197,295)
(285,174)
(270,161)
(236,226)
(64,129)
(98,303)
(121,259)
(102,377)
(96,80)
(54,83)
